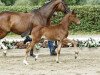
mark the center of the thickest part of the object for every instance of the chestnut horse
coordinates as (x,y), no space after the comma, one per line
(19,22)
(57,33)
(24,23)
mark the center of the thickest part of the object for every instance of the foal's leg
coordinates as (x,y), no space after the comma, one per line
(76,48)
(75,45)
(58,51)
(35,39)
(27,51)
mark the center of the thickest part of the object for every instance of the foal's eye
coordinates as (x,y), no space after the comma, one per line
(74,16)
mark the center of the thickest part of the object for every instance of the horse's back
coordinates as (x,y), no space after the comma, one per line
(15,21)
(20,22)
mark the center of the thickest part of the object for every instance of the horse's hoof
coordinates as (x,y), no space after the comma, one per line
(25,62)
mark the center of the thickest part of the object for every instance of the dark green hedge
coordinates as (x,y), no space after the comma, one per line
(16,8)
(89,16)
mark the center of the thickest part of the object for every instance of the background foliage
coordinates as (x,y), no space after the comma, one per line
(88,11)
(89,16)
(41,2)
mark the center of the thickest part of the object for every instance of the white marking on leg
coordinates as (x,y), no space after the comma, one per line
(4,47)
(25,62)
(58,51)
(37,55)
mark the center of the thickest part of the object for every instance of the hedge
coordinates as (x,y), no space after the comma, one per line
(89,16)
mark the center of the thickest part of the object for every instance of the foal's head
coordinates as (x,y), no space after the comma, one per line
(62,6)
(73,17)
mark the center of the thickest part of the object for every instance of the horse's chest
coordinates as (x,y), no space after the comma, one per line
(1,32)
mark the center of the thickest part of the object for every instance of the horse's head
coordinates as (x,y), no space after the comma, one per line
(73,17)
(62,6)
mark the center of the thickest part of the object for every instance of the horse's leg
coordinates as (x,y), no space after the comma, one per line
(2,35)
(58,51)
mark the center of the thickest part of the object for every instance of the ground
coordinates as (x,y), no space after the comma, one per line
(87,63)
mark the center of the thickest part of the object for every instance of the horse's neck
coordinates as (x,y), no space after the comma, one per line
(65,22)
(48,10)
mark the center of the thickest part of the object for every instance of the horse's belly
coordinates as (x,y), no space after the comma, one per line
(18,31)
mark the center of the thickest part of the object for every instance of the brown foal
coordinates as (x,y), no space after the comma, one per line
(58,33)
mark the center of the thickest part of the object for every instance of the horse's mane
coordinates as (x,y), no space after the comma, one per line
(45,4)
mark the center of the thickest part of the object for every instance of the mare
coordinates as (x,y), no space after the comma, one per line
(23,23)
(57,33)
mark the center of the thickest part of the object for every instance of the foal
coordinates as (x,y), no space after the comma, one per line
(58,33)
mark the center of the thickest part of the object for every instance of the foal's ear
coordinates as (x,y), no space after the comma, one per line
(73,12)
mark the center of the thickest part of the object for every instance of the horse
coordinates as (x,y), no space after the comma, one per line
(23,23)
(57,32)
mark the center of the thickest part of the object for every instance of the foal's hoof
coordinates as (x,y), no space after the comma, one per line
(4,53)
(36,57)
(25,62)
(76,55)
(33,55)
(57,61)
